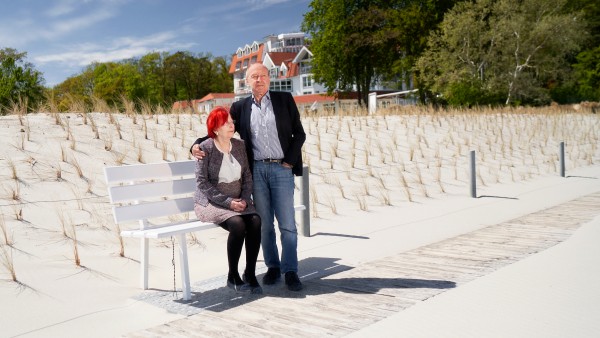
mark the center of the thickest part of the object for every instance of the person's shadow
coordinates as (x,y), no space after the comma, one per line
(318,276)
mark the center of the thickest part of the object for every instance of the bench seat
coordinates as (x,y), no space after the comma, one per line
(149,195)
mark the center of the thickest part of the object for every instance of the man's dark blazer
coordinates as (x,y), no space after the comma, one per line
(289,128)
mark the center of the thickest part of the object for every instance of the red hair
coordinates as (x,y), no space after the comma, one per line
(216,119)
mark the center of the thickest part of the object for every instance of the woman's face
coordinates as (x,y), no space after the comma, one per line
(227,129)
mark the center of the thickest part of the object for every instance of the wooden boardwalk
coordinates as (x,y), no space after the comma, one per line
(348,301)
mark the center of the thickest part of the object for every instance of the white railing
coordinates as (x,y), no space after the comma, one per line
(373,98)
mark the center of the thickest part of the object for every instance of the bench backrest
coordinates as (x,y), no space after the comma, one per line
(144,191)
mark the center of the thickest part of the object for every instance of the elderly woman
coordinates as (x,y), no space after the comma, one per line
(224,187)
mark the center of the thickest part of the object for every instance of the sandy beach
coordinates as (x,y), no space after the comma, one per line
(379,185)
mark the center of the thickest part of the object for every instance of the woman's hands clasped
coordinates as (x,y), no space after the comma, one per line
(238,205)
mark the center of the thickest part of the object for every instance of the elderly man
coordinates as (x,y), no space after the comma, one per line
(269,123)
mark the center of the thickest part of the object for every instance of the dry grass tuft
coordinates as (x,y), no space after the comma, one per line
(8,263)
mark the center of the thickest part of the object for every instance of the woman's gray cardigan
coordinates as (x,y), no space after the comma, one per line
(207,174)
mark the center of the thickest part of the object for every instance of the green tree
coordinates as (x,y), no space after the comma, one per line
(75,88)
(413,25)
(151,68)
(19,80)
(587,71)
(350,42)
(356,43)
(109,82)
(502,50)
(584,84)
(156,78)
(222,81)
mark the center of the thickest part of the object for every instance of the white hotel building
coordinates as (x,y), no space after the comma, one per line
(287,59)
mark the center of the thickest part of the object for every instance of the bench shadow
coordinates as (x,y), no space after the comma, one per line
(315,272)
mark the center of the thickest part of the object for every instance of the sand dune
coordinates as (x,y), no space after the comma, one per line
(63,260)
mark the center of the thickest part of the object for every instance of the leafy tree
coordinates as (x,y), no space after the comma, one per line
(350,42)
(222,81)
(584,82)
(355,43)
(75,88)
(151,68)
(587,70)
(156,78)
(413,25)
(18,79)
(505,48)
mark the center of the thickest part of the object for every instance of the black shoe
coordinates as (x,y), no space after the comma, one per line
(272,276)
(292,281)
(253,283)
(244,287)
(237,284)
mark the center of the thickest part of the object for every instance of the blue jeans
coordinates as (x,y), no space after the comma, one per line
(273,194)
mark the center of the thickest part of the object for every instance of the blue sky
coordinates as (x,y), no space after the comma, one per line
(61,37)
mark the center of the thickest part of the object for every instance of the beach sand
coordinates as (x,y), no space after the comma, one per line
(379,185)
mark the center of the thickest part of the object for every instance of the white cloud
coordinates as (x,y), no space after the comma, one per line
(61,8)
(65,18)
(119,49)
(261,4)
(66,26)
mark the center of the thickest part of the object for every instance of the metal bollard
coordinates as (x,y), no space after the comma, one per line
(473,175)
(305,214)
(561,155)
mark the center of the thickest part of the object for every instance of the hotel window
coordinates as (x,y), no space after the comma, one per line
(238,65)
(283,86)
(246,63)
(307,81)
(253,60)
(273,72)
(293,42)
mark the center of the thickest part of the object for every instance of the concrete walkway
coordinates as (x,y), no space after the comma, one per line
(554,293)
(531,276)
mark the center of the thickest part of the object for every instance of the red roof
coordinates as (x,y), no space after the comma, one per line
(184,104)
(286,58)
(281,57)
(214,96)
(235,59)
(311,98)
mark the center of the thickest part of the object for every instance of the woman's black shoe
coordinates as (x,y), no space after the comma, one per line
(253,283)
(237,284)
(244,287)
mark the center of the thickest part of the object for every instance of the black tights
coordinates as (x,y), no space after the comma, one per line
(242,227)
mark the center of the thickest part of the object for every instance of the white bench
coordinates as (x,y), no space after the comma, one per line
(149,194)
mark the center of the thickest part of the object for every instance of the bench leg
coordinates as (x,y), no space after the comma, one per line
(185,274)
(144,256)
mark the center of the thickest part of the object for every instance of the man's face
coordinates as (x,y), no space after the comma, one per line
(258,79)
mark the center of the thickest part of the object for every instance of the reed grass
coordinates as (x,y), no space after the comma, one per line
(8,263)
(64,221)
(7,238)
(77,166)
(76,258)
